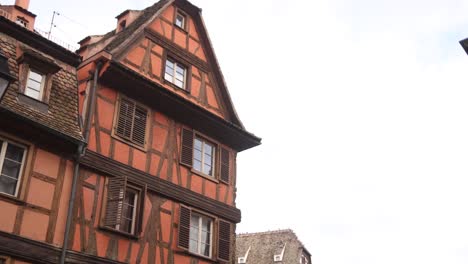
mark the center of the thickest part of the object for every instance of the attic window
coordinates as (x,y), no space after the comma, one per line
(21,21)
(122,25)
(180,20)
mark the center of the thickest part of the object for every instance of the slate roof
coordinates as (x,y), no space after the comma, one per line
(263,246)
(62,114)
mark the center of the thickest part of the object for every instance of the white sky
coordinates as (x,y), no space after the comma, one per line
(362,107)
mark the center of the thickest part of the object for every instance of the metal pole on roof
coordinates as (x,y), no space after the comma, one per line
(52,23)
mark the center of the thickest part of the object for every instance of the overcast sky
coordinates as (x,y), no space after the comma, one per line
(362,106)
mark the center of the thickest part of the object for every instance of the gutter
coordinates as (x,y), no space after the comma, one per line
(79,154)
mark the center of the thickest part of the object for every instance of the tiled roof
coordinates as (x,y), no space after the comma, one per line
(264,245)
(62,114)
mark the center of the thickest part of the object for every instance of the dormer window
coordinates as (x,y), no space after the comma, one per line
(36,78)
(21,21)
(180,20)
(35,85)
(122,25)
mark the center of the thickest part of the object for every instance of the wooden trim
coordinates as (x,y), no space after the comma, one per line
(42,253)
(159,186)
(176,107)
(180,52)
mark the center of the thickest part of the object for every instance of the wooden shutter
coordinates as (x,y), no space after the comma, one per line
(139,125)
(115,197)
(140,210)
(125,118)
(224,240)
(225,168)
(184,227)
(186,154)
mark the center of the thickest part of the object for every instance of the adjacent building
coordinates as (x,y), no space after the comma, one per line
(282,247)
(124,152)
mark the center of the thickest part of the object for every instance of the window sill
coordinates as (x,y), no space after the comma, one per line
(128,142)
(191,254)
(180,29)
(211,178)
(175,86)
(114,231)
(35,104)
(12,199)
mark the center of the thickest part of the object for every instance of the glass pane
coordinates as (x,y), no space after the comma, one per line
(32,93)
(14,153)
(126,226)
(7,185)
(32,84)
(11,168)
(179,83)
(207,169)
(35,76)
(198,144)
(170,65)
(197,154)
(197,165)
(193,246)
(206,224)
(180,70)
(205,250)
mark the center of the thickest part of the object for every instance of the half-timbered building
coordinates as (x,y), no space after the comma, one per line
(158,181)
(122,153)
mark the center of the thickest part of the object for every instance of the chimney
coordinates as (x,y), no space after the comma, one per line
(22,3)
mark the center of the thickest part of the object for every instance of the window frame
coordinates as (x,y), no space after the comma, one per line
(183,27)
(216,234)
(222,160)
(129,140)
(32,60)
(137,214)
(199,238)
(42,84)
(23,163)
(176,63)
(214,157)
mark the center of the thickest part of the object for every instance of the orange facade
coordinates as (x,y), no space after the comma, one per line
(147,172)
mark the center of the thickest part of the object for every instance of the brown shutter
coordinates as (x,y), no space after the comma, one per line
(141,210)
(139,125)
(115,197)
(125,118)
(184,227)
(186,154)
(224,240)
(225,168)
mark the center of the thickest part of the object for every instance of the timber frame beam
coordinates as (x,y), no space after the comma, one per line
(161,187)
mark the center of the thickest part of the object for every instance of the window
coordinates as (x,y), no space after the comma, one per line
(201,229)
(35,85)
(196,234)
(131,121)
(36,74)
(124,206)
(12,158)
(21,21)
(180,20)
(202,156)
(175,73)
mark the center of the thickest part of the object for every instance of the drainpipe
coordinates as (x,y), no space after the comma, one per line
(79,153)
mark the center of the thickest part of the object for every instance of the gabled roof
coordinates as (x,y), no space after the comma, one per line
(61,116)
(116,42)
(265,245)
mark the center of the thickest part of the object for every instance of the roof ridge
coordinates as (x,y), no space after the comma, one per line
(288,230)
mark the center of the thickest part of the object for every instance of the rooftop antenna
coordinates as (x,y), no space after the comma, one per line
(52,23)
